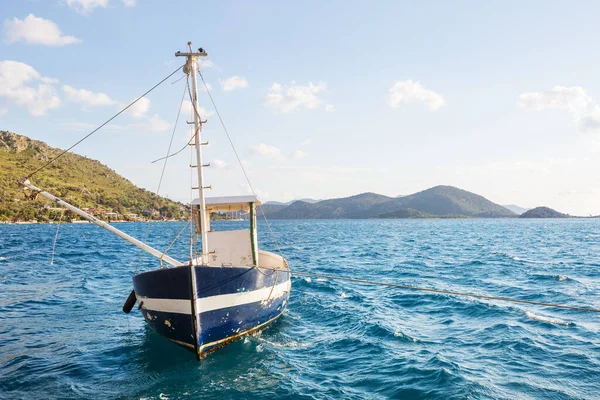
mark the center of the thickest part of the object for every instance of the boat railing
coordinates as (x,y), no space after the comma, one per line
(267,259)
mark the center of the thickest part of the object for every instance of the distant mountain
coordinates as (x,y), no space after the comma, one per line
(275,203)
(405,213)
(439,201)
(516,209)
(543,212)
(306,200)
(76,179)
(271,207)
(287,203)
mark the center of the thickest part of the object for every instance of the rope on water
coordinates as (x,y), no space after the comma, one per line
(441,291)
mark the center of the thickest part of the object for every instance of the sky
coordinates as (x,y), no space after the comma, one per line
(322,99)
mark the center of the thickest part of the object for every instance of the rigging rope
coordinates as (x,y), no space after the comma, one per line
(440,291)
(162,174)
(174,154)
(176,237)
(239,161)
(193,136)
(62,214)
(103,124)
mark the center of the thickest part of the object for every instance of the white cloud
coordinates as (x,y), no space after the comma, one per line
(329,108)
(219,164)
(154,124)
(14,77)
(86,6)
(233,83)
(307,142)
(576,100)
(35,30)
(413,92)
(262,195)
(77,126)
(206,63)
(289,98)
(3,111)
(186,110)
(139,109)
(129,3)
(268,151)
(87,97)
(298,154)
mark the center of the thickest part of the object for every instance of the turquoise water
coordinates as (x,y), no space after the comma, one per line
(63,335)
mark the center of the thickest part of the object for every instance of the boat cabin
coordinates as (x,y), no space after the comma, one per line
(235,247)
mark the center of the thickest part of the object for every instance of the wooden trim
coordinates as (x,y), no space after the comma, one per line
(253,235)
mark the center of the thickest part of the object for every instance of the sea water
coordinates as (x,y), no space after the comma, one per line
(63,334)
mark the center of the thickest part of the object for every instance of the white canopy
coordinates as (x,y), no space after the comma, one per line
(228,203)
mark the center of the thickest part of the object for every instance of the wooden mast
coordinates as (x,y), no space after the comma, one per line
(191,68)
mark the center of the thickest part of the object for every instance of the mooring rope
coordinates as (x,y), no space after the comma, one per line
(103,124)
(440,291)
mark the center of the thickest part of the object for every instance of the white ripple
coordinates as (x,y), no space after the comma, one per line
(549,320)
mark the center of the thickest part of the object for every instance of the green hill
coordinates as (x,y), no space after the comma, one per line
(78,180)
(543,212)
(437,202)
(408,213)
(443,201)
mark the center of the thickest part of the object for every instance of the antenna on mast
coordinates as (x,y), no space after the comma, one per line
(190,68)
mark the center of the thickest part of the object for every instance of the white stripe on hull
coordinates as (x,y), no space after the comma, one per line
(214,302)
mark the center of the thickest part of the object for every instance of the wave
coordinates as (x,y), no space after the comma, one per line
(554,277)
(549,320)
(405,337)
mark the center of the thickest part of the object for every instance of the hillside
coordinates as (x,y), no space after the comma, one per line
(79,180)
(439,201)
(407,213)
(543,212)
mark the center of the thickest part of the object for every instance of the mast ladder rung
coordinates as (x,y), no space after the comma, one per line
(207,187)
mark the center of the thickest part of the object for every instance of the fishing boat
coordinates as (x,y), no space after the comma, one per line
(227,291)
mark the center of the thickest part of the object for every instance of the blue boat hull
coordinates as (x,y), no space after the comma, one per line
(231,302)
